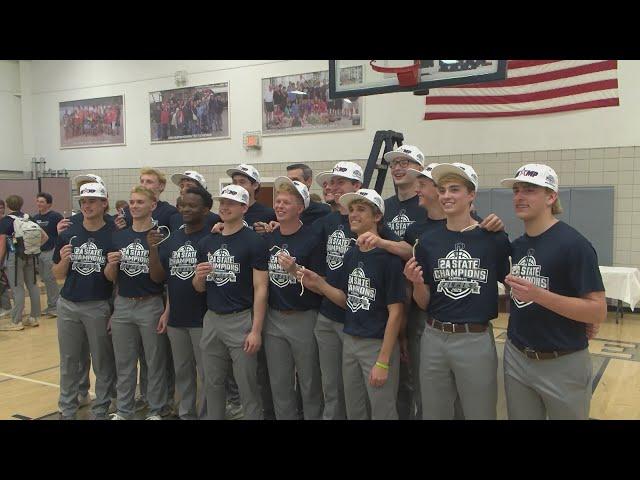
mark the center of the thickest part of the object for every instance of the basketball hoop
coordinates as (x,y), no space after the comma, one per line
(407,76)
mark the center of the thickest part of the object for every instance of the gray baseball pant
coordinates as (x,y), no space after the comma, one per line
(187,361)
(133,319)
(359,356)
(80,322)
(330,337)
(464,364)
(558,388)
(45,262)
(26,276)
(290,346)
(222,348)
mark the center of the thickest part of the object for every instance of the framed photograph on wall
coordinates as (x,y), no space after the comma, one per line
(300,103)
(94,122)
(192,113)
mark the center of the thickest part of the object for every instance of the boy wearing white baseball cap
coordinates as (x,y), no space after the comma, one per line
(337,238)
(289,341)
(257,215)
(232,270)
(186,180)
(83,307)
(454,275)
(557,294)
(371,289)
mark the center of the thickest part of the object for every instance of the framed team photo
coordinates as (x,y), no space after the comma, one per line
(192,113)
(300,103)
(93,122)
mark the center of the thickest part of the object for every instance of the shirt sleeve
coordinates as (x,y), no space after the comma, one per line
(395,285)
(259,254)
(318,253)
(583,267)
(387,234)
(201,248)
(410,235)
(503,251)
(5,223)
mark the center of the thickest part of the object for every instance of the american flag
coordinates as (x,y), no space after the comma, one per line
(532,87)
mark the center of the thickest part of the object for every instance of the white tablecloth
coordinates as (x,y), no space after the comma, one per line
(622,283)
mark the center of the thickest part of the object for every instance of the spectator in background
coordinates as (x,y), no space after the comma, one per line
(5,301)
(121,204)
(48,220)
(19,271)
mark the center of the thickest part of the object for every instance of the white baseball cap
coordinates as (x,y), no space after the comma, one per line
(96,190)
(300,187)
(422,173)
(349,170)
(535,173)
(176,178)
(368,194)
(462,169)
(245,169)
(88,177)
(410,152)
(234,192)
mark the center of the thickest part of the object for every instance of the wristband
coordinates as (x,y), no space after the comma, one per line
(382,365)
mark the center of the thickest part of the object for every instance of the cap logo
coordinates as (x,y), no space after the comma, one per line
(526,173)
(340,169)
(551,180)
(230,192)
(406,150)
(244,169)
(356,173)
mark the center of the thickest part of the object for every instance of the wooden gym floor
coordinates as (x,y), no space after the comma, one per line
(29,374)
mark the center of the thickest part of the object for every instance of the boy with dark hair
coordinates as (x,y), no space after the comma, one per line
(48,220)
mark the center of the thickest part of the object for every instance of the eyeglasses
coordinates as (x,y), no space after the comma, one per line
(403,163)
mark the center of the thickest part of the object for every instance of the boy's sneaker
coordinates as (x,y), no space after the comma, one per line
(115,416)
(154,417)
(4,313)
(233,412)
(8,327)
(31,322)
(50,312)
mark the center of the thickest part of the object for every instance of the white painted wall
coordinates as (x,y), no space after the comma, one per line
(10,117)
(56,81)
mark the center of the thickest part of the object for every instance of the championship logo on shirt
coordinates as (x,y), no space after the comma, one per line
(337,245)
(278,275)
(183,261)
(224,267)
(135,259)
(458,274)
(359,291)
(87,258)
(400,223)
(528,269)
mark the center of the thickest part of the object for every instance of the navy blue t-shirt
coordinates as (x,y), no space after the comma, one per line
(133,273)
(462,270)
(179,258)
(162,213)
(398,216)
(259,213)
(371,280)
(284,289)
(230,284)
(337,239)
(562,261)
(85,279)
(314,211)
(177,222)
(48,223)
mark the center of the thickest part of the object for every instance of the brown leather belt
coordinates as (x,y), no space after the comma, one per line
(536,355)
(449,327)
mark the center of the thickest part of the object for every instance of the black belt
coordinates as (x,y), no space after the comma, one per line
(538,355)
(230,313)
(449,327)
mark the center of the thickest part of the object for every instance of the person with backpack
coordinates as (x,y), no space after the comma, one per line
(20,242)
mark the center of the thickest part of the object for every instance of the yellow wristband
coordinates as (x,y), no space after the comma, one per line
(382,365)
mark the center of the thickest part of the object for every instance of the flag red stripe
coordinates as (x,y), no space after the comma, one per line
(511,64)
(525,97)
(547,76)
(608,102)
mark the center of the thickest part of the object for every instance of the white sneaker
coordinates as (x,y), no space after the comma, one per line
(8,327)
(31,322)
(4,313)
(154,417)
(115,416)
(233,412)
